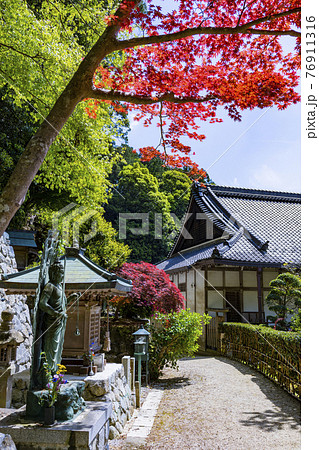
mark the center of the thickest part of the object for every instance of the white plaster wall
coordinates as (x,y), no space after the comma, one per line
(200,300)
(190,290)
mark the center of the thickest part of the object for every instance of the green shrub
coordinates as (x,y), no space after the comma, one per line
(277,354)
(296,321)
(173,336)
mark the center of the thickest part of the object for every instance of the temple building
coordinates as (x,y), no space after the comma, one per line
(232,243)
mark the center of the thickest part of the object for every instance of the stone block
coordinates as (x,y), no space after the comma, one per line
(4,250)
(119,427)
(82,433)
(124,404)
(6,442)
(124,419)
(97,389)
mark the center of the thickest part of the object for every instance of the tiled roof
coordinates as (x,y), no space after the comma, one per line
(22,239)
(264,228)
(81,274)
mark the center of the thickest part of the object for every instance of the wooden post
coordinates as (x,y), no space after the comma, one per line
(127,369)
(138,394)
(132,364)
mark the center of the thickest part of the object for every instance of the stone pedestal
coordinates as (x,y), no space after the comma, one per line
(88,431)
(69,402)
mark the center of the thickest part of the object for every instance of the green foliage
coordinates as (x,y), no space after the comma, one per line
(296,321)
(270,351)
(174,336)
(176,186)
(138,192)
(284,297)
(16,128)
(81,159)
(104,248)
(94,233)
(41,44)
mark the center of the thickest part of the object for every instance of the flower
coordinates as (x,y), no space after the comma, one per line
(55,381)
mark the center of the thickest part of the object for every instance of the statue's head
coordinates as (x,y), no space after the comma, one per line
(56,272)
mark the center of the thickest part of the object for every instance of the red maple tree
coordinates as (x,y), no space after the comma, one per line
(152,291)
(181,64)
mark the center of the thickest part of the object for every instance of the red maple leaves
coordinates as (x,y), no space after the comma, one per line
(182,64)
(152,291)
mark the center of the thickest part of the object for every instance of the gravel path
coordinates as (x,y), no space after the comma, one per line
(215,403)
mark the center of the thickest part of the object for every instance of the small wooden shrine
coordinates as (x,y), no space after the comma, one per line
(24,247)
(83,276)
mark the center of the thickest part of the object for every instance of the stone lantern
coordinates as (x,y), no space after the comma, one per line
(141,342)
(9,341)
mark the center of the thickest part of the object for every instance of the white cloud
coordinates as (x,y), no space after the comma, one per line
(266,177)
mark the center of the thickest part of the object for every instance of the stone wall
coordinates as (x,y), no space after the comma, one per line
(112,384)
(20,386)
(21,318)
(6,442)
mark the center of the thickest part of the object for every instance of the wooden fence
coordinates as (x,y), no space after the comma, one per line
(279,361)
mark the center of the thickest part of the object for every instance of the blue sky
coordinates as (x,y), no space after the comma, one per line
(262,151)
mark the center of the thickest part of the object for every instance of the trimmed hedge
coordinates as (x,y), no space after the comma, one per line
(277,354)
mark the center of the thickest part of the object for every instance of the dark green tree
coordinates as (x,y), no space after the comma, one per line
(285,296)
(177,187)
(138,193)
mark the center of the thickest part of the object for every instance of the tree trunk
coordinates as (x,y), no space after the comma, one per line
(79,88)
(33,156)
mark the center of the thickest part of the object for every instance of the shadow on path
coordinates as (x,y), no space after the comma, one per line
(172,383)
(287,409)
(270,420)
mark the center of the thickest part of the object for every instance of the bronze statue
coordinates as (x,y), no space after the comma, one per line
(53,303)
(49,323)
(50,314)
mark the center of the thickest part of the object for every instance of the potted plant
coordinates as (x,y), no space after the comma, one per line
(50,395)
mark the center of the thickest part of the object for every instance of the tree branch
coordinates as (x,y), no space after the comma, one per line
(242,29)
(102,94)
(10,47)
(273,32)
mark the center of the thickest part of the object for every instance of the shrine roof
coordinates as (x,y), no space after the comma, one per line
(22,238)
(81,274)
(249,227)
